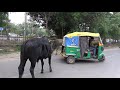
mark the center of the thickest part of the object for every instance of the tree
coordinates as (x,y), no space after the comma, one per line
(4,22)
(42,17)
(64,22)
(114,30)
(105,23)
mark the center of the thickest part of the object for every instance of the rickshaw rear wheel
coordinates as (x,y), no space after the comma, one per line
(102,59)
(70,60)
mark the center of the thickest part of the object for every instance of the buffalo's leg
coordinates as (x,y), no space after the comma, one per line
(42,64)
(33,62)
(21,66)
(49,61)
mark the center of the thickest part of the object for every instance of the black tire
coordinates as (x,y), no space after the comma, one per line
(70,60)
(102,59)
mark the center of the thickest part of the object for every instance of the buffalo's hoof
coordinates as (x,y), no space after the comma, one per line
(50,70)
(20,76)
(42,72)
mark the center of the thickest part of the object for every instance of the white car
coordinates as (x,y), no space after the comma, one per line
(13,35)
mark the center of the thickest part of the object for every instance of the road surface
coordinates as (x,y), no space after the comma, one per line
(81,69)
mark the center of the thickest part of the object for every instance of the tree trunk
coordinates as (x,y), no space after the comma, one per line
(7,34)
(46,19)
(32,30)
(104,40)
(62,32)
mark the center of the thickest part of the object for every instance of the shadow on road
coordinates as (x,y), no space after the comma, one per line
(62,60)
(85,61)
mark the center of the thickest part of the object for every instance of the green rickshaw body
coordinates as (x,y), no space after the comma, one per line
(72,48)
(75,51)
(100,52)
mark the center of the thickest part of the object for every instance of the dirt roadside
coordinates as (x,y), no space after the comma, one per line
(10,56)
(16,55)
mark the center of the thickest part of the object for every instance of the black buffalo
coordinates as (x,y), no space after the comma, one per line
(35,49)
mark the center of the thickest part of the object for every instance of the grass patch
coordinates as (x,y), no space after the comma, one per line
(8,50)
(17,48)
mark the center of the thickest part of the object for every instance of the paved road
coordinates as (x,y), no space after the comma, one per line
(81,69)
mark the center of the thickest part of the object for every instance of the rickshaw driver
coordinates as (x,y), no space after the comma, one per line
(92,44)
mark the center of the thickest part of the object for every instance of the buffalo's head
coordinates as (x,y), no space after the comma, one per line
(53,45)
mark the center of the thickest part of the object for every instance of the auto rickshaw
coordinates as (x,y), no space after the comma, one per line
(76,45)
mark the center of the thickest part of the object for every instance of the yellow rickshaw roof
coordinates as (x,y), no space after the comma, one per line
(82,34)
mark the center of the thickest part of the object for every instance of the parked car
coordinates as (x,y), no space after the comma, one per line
(13,36)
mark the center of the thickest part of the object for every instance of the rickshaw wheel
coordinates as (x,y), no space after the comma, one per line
(102,59)
(70,60)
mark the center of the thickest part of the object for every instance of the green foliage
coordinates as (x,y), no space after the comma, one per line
(3,19)
(105,23)
(64,22)
(31,30)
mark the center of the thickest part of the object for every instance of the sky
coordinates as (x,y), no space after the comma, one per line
(17,17)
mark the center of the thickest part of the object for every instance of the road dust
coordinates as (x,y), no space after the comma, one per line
(10,57)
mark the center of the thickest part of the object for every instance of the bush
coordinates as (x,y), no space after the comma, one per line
(9,49)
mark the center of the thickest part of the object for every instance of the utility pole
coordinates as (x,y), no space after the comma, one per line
(25,26)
